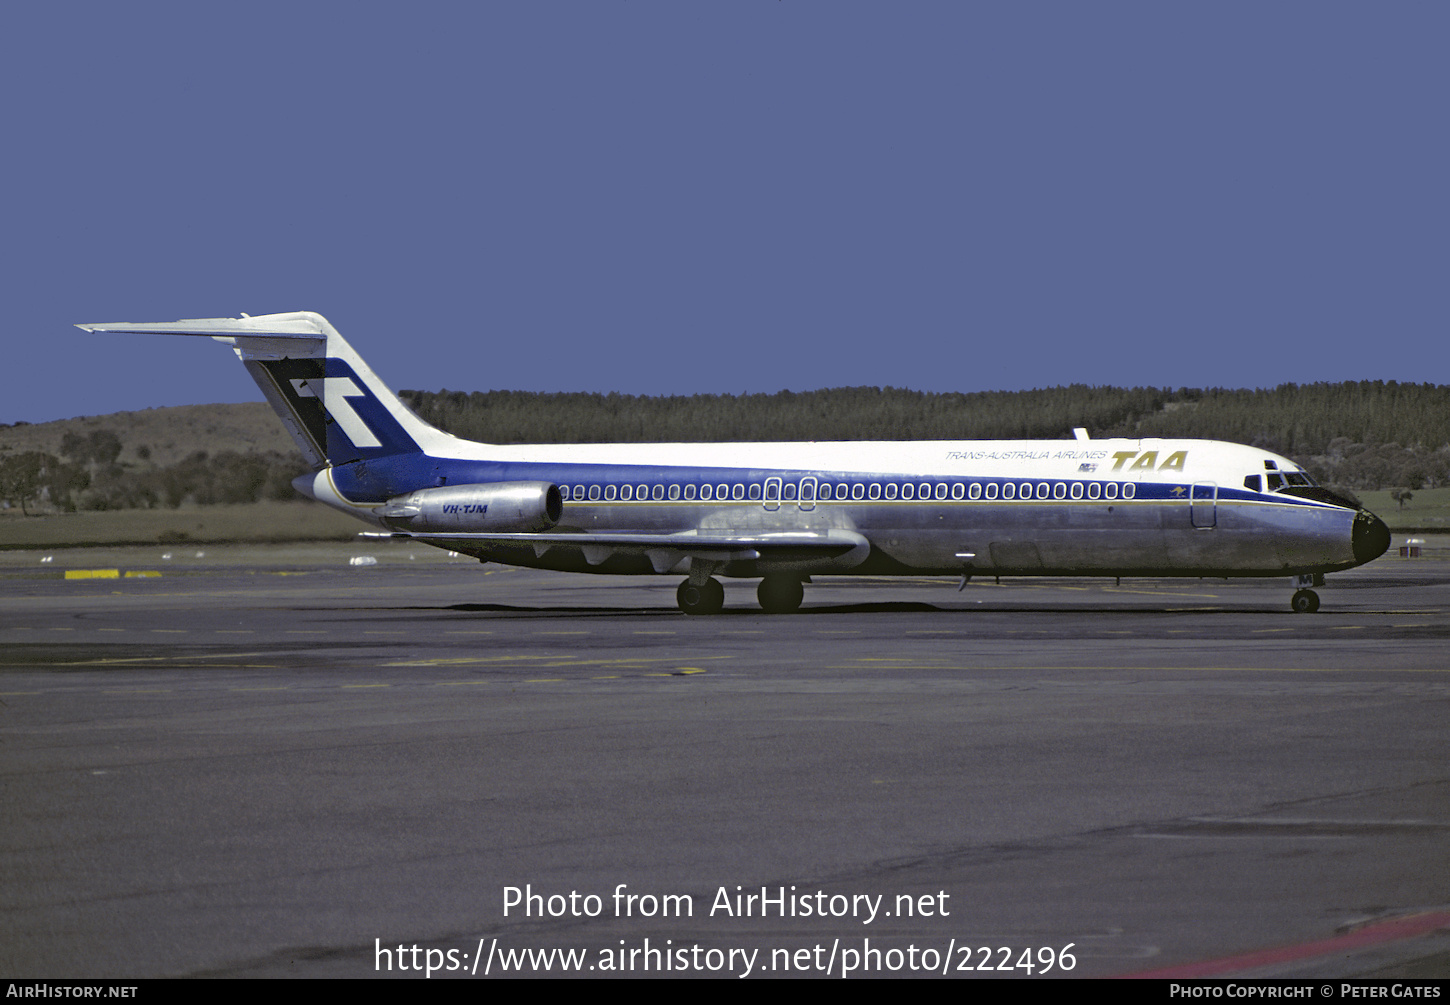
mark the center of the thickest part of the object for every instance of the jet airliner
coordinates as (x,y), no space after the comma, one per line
(783,512)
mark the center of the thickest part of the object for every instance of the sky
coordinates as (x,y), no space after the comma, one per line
(676,198)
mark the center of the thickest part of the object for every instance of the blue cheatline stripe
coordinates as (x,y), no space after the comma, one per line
(385,477)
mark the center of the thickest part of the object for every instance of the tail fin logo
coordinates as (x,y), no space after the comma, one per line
(335,392)
(336,417)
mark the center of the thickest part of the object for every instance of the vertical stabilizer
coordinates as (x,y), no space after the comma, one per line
(332,403)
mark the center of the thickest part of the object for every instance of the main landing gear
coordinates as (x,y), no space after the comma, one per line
(780,594)
(777,595)
(707,598)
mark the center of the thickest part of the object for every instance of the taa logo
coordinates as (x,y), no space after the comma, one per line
(1148,460)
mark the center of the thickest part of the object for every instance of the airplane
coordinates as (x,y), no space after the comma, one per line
(784,512)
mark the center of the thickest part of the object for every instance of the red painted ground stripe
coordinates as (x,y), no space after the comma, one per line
(1370,935)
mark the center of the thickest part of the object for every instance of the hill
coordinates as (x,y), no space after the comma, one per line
(165,436)
(1358,436)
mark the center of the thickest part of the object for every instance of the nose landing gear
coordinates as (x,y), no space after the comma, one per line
(1305,600)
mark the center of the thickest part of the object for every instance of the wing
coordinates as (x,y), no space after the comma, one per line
(666,550)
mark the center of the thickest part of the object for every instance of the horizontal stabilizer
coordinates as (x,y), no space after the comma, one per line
(298,326)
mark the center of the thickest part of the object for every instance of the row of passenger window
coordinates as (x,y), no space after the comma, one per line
(810,491)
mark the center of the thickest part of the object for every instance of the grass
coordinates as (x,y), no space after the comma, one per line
(1428,510)
(254,523)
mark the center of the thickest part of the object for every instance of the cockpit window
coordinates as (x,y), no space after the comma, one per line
(1277,482)
(1254,483)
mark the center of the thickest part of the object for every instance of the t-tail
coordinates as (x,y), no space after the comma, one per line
(331,402)
(364,445)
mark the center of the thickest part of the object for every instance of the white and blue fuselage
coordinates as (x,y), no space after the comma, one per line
(786,511)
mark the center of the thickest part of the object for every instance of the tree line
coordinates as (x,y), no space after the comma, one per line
(1289,419)
(87,476)
(1358,434)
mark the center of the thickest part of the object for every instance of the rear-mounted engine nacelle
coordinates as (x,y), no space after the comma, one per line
(497,507)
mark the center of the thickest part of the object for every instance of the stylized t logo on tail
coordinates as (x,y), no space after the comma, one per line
(335,392)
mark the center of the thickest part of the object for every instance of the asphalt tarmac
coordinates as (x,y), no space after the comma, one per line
(271,762)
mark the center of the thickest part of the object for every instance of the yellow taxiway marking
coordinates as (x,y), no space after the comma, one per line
(367,685)
(545,680)
(161,659)
(168,631)
(110,629)
(1344,628)
(548,661)
(654,633)
(498,658)
(1258,631)
(904,664)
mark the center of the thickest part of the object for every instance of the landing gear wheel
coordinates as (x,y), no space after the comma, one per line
(1305,602)
(780,594)
(705,599)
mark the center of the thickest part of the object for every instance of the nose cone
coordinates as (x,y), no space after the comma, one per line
(1371,538)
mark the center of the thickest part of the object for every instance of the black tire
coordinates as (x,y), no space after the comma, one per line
(708,598)
(780,594)
(1305,602)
